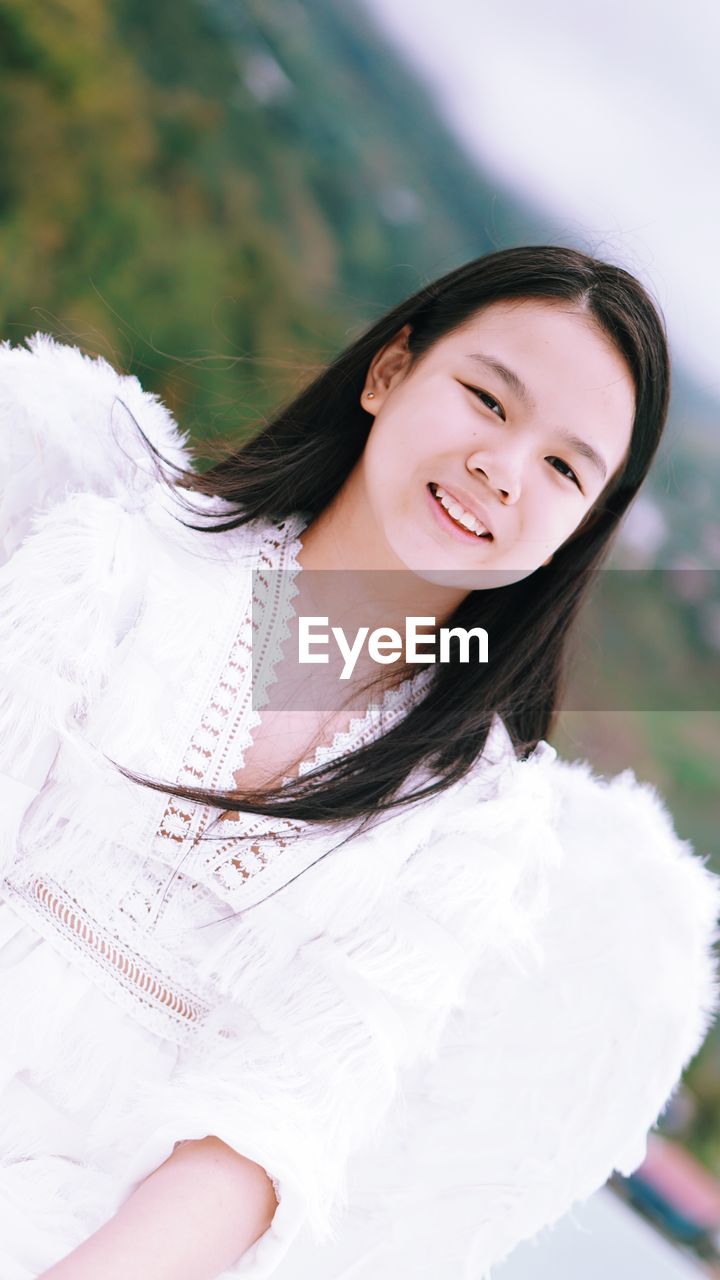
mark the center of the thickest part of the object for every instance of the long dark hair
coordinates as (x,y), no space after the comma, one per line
(300,459)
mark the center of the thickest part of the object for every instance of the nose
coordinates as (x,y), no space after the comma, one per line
(501,475)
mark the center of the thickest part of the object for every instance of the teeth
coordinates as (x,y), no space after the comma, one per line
(459,513)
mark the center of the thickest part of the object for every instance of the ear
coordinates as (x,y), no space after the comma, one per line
(387,368)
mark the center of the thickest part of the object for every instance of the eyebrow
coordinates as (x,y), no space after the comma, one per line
(517,386)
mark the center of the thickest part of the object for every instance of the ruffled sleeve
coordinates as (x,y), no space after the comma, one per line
(556,1063)
(75,469)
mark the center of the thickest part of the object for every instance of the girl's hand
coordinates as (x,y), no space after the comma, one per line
(191,1219)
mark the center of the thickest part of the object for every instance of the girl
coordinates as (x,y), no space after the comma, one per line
(289,990)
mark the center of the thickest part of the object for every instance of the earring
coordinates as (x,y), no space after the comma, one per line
(370,395)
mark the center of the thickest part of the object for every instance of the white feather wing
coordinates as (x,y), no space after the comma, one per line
(68,424)
(551,1074)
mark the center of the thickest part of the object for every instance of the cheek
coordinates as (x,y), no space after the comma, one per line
(388,457)
(379,465)
(411,431)
(563,531)
(383,492)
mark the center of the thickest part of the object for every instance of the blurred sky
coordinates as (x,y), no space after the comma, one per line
(607,115)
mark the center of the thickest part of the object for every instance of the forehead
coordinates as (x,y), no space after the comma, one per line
(536,327)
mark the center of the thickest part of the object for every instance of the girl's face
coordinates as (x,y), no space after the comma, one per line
(515,422)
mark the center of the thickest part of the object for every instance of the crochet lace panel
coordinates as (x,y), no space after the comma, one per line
(241,848)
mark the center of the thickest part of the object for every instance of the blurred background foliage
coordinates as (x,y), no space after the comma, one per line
(218,196)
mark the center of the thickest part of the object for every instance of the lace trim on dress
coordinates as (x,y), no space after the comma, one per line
(264,839)
(118,966)
(224,732)
(244,847)
(379,716)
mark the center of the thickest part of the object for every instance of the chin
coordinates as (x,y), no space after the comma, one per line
(481,579)
(436,567)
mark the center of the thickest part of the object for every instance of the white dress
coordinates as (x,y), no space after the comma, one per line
(435,1043)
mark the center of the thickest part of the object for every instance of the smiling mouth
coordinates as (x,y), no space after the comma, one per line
(463,520)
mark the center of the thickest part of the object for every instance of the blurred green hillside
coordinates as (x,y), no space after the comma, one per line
(218,196)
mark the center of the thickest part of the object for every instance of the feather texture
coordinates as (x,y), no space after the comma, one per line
(67,424)
(546,1080)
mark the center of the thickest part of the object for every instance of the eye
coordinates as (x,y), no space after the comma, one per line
(488,400)
(567,472)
